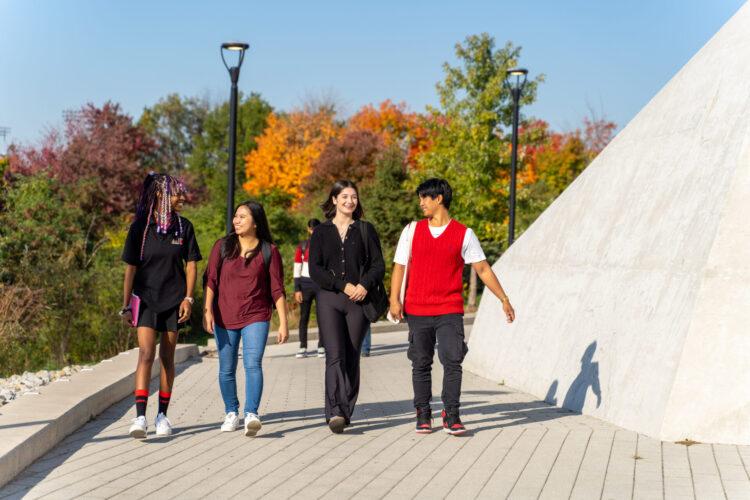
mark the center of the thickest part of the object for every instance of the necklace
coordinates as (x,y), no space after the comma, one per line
(342,231)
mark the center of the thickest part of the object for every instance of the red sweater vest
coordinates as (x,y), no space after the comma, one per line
(435,286)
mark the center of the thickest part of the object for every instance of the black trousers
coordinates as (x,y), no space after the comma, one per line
(308,295)
(343,326)
(448,330)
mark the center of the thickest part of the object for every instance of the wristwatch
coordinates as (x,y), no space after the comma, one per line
(124,310)
(190,299)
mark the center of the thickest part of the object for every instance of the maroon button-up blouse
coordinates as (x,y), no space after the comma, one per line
(241,290)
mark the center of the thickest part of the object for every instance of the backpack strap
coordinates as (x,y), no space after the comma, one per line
(265,250)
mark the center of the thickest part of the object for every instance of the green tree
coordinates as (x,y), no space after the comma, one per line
(210,155)
(466,150)
(39,214)
(388,203)
(47,243)
(173,123)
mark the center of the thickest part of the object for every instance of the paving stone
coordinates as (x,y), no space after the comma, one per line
(648,482)
(535,474)
(618,482)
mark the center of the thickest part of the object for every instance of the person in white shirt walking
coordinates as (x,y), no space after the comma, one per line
(435,250)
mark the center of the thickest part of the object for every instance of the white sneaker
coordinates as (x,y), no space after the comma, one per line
(301,353)
(252,424)
(163,425)
(321,352)
(138,429)
(231,422)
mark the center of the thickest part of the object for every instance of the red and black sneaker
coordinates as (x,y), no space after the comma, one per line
(452,423)
(424,421)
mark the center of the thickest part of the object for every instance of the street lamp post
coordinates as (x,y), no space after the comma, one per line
(515,88)
(234,75)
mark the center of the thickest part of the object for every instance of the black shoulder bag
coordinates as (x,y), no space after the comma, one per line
(376,302)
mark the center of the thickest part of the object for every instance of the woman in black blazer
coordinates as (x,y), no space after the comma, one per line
(340,267)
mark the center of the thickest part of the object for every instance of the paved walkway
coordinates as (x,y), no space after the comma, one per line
(517,447)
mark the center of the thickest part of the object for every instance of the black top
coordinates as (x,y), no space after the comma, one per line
(333,264)
(160,277)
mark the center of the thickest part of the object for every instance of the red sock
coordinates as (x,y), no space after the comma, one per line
(141,398)
(164,401)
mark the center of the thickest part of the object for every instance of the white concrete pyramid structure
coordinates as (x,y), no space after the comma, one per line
(632,290)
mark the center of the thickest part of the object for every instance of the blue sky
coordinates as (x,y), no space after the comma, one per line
(611,57)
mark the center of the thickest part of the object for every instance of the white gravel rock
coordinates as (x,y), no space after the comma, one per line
(28,382)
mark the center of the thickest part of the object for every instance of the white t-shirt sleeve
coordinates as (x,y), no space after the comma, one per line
(402,249)
(471,250)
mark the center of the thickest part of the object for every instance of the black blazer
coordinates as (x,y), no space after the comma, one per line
(333,264)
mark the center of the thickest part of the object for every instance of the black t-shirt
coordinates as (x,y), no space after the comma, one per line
(160,277)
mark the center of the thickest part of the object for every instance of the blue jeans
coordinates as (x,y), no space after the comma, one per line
(367,343)
(254,338)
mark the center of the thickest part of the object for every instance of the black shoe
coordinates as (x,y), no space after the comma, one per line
(452,423)
(424,421)
(337,424)
(365,354)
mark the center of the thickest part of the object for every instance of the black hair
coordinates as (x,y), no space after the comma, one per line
(434,187)
(312,223)
(230,245)
(329,209)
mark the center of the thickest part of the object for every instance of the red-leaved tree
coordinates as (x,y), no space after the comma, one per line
(352,156)
(101,145)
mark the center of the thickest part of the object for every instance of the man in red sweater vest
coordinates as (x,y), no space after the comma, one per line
(435,250)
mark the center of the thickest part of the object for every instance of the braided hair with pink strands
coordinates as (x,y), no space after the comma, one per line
(156,196)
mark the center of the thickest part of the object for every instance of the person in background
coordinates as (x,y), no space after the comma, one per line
(244,279)
(367,344)
(305,291)
(161,253)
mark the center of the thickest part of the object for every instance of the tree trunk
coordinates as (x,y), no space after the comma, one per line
(472,305)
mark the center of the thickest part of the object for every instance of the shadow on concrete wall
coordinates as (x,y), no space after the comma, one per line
(587,377)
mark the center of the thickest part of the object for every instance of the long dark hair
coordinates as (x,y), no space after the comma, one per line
(230,244)
(329,209)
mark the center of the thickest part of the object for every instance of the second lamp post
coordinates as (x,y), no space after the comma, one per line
(515,88)
(234,74)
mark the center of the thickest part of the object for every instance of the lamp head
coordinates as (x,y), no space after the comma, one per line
(235,46)
(240,47)
(518,73)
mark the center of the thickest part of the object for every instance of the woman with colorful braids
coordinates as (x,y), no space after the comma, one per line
(159,241)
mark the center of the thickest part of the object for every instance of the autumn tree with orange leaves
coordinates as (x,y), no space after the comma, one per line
(396,125)
(286,150)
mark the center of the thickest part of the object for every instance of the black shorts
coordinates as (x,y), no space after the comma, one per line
(165,321)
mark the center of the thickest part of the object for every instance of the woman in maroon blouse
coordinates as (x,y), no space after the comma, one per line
(244,278)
